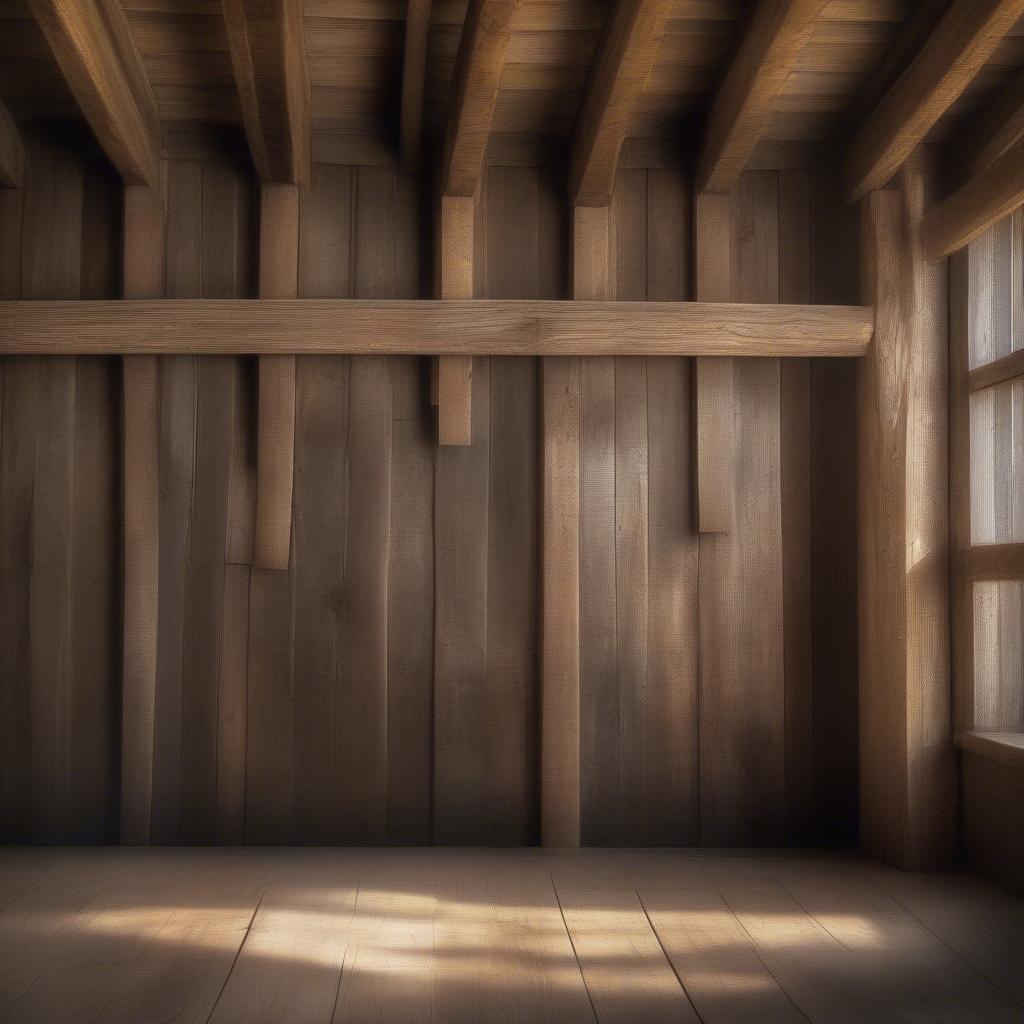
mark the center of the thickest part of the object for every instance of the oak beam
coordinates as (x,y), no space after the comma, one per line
(279,277)
(957,49)
(993,562)
(487,327)
(143,277)
(268,55)
(778,32)
(414,73)
(93,45)
(907,779)
(628,50)
(713,389)
(474,91)
(994,193)
(12,153)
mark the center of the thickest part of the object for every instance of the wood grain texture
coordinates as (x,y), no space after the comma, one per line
(987,198)
(907,800)
(94,48)
(12,152)
(479,65)
(279,255)
(414,72)
(268,54)
(776,35)
(143,277)
(956,50)
(423,327)
(454,271)
(618,75)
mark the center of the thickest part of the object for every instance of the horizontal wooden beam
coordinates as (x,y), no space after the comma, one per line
(620,71)
(12,154)
(999,371)
(986,199)
(995,562)
(778,32)
(528,327)
(94,47)
(268,54)
(957,49)
(991,132)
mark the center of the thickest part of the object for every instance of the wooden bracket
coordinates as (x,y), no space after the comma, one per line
(279,276)
(715,476)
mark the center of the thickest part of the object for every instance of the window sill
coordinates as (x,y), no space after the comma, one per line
(1006,748)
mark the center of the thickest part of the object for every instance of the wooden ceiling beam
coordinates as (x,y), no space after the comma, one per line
(268,54)
(12,153)
(957,49)
(775,37)
(414,73)
(474,92)
(628,50)
(509,327)
(992,132)
(93,45)
(985,200)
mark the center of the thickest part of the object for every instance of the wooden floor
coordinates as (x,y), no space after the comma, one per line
(119,935)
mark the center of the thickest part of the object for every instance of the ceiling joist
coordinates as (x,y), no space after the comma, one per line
(993,132)
(474,92)
(268,54)
(778,32)
(92,43)
(957,49)
(414,76)
(628,50)
(484,327)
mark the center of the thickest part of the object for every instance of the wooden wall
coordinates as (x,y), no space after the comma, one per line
(992,795)
(384,689)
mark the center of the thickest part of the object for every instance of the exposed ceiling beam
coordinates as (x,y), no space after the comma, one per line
(993,131)
(628,50)
(519,327)
(12,154)
(987,198)
(414,73)
(474,92)
(956,50)
(268,53)
(775,37)
(92,43)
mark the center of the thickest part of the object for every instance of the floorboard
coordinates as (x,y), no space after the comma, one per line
(525,936)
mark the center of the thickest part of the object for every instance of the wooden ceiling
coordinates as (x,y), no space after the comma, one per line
(354,51)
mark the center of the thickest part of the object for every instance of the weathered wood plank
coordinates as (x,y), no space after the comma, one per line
(455,250)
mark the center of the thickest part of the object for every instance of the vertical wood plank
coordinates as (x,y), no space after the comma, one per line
(713,377)
(144,229)
(455,281)
(907,809)
(279,247)
(672,608)
(593,262)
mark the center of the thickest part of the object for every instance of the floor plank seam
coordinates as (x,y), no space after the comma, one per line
(238,953)
(572,943)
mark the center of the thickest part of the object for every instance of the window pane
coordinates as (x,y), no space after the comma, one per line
(998,656)
(997,291)
(997,464)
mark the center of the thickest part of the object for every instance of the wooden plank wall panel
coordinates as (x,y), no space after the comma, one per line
(59,607)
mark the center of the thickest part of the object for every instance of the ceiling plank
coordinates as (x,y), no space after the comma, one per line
(992,132)
(268,53)
(987,198)
(956,50)
(628,50)
(414,75)
(509,327)
(12,153)
(474,91)
(92,43)
(775,37)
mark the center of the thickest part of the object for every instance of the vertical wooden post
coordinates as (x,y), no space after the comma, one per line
(279,279)
(907,800)
(143,275)
(713,377)
(455,281)
(560,553)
